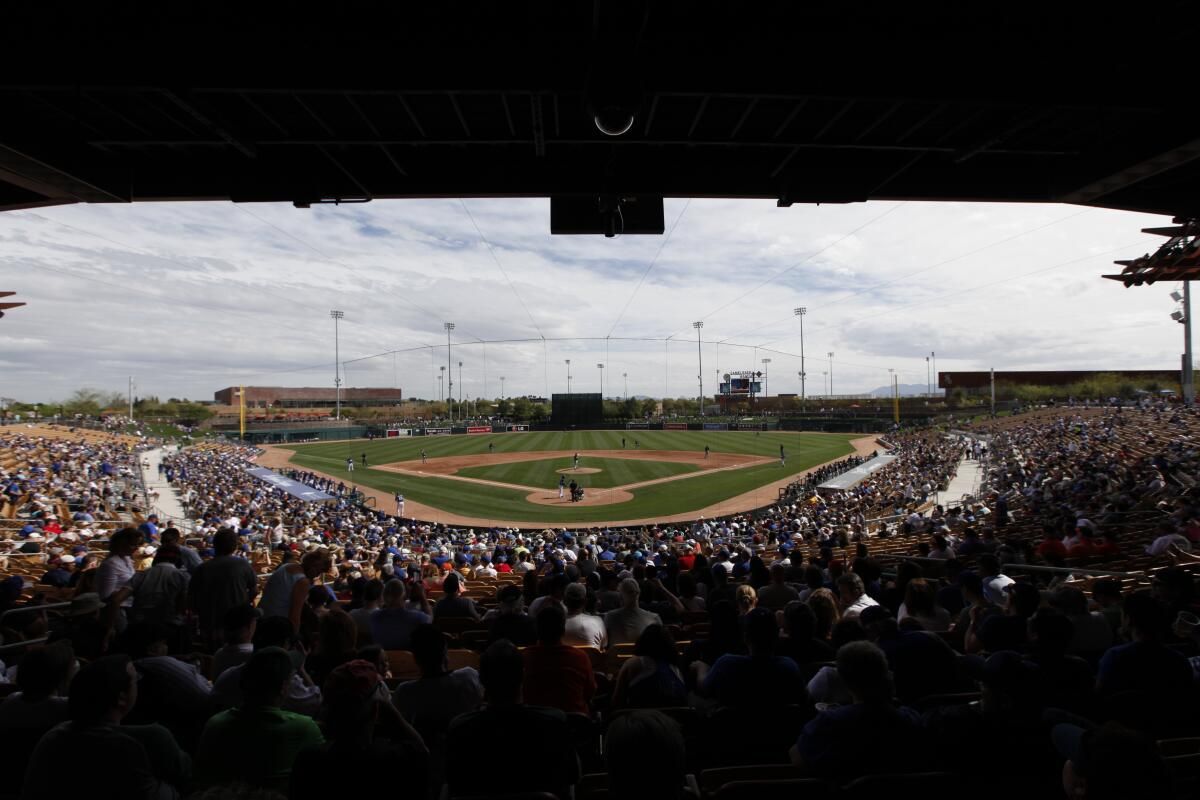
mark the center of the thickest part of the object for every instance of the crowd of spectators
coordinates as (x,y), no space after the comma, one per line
(303,649)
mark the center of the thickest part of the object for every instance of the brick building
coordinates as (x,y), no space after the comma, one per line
(307,397)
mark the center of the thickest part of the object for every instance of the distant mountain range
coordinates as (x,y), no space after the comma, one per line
(906,390)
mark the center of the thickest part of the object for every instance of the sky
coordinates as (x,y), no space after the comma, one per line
(188,298)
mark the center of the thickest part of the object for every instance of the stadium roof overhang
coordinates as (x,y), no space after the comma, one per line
(795,102)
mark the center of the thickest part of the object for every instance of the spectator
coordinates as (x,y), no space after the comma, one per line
(826,613)
(740,680)
(351,708)
(506,718)
(160,593)
(626,623)
(651,678)
(453,605)
(256,743)
(629,738)
(777,593)
(221,583)
(286,591)
(852,595)
(1145,663)
(40,701)
(557,675)
(302,696)
(867,737)
(336,644)
(583,629)
(141,761)
(1109,763)
(372,600)
(392,625)
(1091,633)
(509,621)
(189,559)
(115,573)
(801,644)
(239,626)
(920,604)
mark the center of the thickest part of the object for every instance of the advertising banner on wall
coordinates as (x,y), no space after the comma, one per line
(518,428)
(437,431)
(479,429)
(716,426)
(674,426)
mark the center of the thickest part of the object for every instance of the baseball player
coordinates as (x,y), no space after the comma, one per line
(422,456)
(562,483)
(364,459)
(576,461)
(782,457)
(491,447)
(350,464)
(399,505)
(706,451)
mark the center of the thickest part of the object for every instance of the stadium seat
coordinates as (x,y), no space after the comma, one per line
(711,780)
(806,788)
(402,665)
(914,784)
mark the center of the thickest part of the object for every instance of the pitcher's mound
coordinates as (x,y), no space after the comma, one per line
(579,471)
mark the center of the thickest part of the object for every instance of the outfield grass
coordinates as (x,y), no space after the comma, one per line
(674,497)
(544,473)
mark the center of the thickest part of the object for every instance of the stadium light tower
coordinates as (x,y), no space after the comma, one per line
(441,379)
(766,377)
(625,375)
(460,387)
(337,376)
(501,387)
(601,368)
(831,373)
(801,312)
(700,362)
(568,377)
(449,326)
(825,381)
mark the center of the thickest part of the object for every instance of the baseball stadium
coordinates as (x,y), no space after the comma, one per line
(575,401)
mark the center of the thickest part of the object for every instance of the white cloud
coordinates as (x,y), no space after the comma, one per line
(193,297)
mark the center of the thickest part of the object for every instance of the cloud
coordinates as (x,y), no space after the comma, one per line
(189,298)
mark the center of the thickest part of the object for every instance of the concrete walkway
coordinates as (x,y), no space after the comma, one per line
(967,481)
(167,505)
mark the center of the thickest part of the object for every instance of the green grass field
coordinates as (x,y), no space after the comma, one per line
(544,473)
(494,502)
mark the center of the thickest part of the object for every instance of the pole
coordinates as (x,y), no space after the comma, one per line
(242,413)
(700,362)
(449,326)
(501,387)
(928,379)
(1189,386)
(625,375)
(131,398)
(993,381)
(568,377)
(933,356)
(337,359)
(801,312)
(831,374)
(896,398)
(460,394)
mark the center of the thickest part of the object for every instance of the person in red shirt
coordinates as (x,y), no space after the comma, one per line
(557,675)
(502,565)
(687,559)
(1052,546)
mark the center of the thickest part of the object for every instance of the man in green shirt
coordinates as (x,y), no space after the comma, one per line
(257,742)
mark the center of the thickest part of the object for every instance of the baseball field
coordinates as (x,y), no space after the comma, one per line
(627,476)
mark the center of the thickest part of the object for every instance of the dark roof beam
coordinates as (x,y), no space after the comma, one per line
(512,131)
(412,116)
(841,112)
(878,121)
(349,175)
(237,144)
(538,121)
(791,116)
(699,114)
(742,119)
(922,122)
(299,100)
(462,120)
(1135,173)
(262,113)
(375,132)
(117,114)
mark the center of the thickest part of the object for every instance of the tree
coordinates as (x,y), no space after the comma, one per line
(522,408)
(85,401)
(504,408)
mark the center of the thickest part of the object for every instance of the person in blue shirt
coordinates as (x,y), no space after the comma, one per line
(1145,663)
